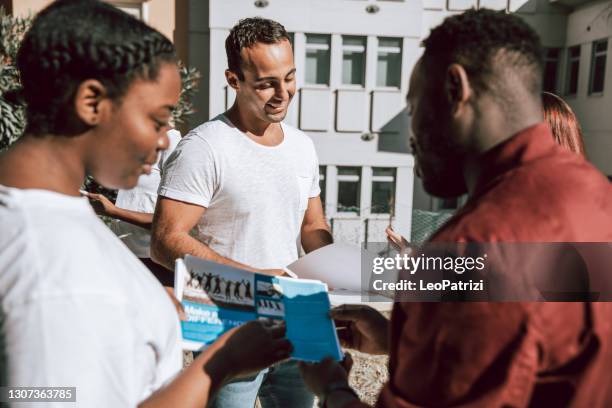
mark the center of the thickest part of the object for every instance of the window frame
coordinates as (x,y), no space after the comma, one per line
(389,50)
(322,185)
(383,179)
(363,49)
(128,5)
(556,60)
(568,69)
(349,178)
(594,55)
(317,47)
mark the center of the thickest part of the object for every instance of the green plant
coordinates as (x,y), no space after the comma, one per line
(12,111)
(190,80)
(12,115)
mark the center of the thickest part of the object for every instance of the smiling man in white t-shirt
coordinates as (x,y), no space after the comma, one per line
(243,188)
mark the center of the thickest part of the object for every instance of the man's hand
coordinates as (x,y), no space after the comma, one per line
(250,348)
(398,241)
(362,328)
(101,204)
(317,376)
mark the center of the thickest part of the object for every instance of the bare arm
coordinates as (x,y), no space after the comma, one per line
(193,387)
(143,220)
(241,351)
(170,237)
(315,232)
(103,206)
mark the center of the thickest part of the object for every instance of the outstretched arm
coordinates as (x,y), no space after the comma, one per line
(104,206)
(315,232)
(241,351)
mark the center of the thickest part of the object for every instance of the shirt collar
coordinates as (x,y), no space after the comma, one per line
(525,146)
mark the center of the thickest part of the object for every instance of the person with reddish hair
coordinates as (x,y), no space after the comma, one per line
(563,123)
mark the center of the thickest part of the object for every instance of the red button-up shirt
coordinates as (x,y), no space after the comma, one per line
(512,354)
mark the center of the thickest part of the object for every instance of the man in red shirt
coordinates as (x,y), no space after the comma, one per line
(478,128)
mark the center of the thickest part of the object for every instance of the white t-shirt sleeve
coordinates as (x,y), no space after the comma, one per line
(84,342)
(190,173)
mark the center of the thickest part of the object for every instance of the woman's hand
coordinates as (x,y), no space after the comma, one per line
(362,328)
(101,204)
(241,351)
(250,348)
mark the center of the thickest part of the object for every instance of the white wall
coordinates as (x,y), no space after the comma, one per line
(547,19)
(563,27)
(586,24)
(324,16)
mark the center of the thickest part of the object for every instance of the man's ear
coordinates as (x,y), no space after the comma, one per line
(457,87)
(89,99)
(232,79)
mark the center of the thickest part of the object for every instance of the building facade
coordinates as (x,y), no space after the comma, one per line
(352,78)
(353,60)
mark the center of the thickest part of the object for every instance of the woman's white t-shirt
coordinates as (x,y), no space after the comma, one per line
(142,198)
(79,309)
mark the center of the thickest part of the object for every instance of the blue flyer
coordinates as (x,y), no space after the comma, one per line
(218,298)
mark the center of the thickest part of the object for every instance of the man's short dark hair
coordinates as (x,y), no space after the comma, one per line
(489,45)
(247,33)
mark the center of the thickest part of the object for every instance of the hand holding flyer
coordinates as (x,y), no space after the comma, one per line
(218,298)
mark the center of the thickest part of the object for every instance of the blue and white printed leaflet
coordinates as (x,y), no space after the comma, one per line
(218,297)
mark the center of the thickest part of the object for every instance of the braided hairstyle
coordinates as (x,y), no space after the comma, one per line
(75,40)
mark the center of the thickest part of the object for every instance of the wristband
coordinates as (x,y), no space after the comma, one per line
(332,387)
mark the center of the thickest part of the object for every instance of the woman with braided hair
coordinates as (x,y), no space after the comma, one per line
(78,309)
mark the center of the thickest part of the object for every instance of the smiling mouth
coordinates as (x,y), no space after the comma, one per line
(147,168)
(275,107)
